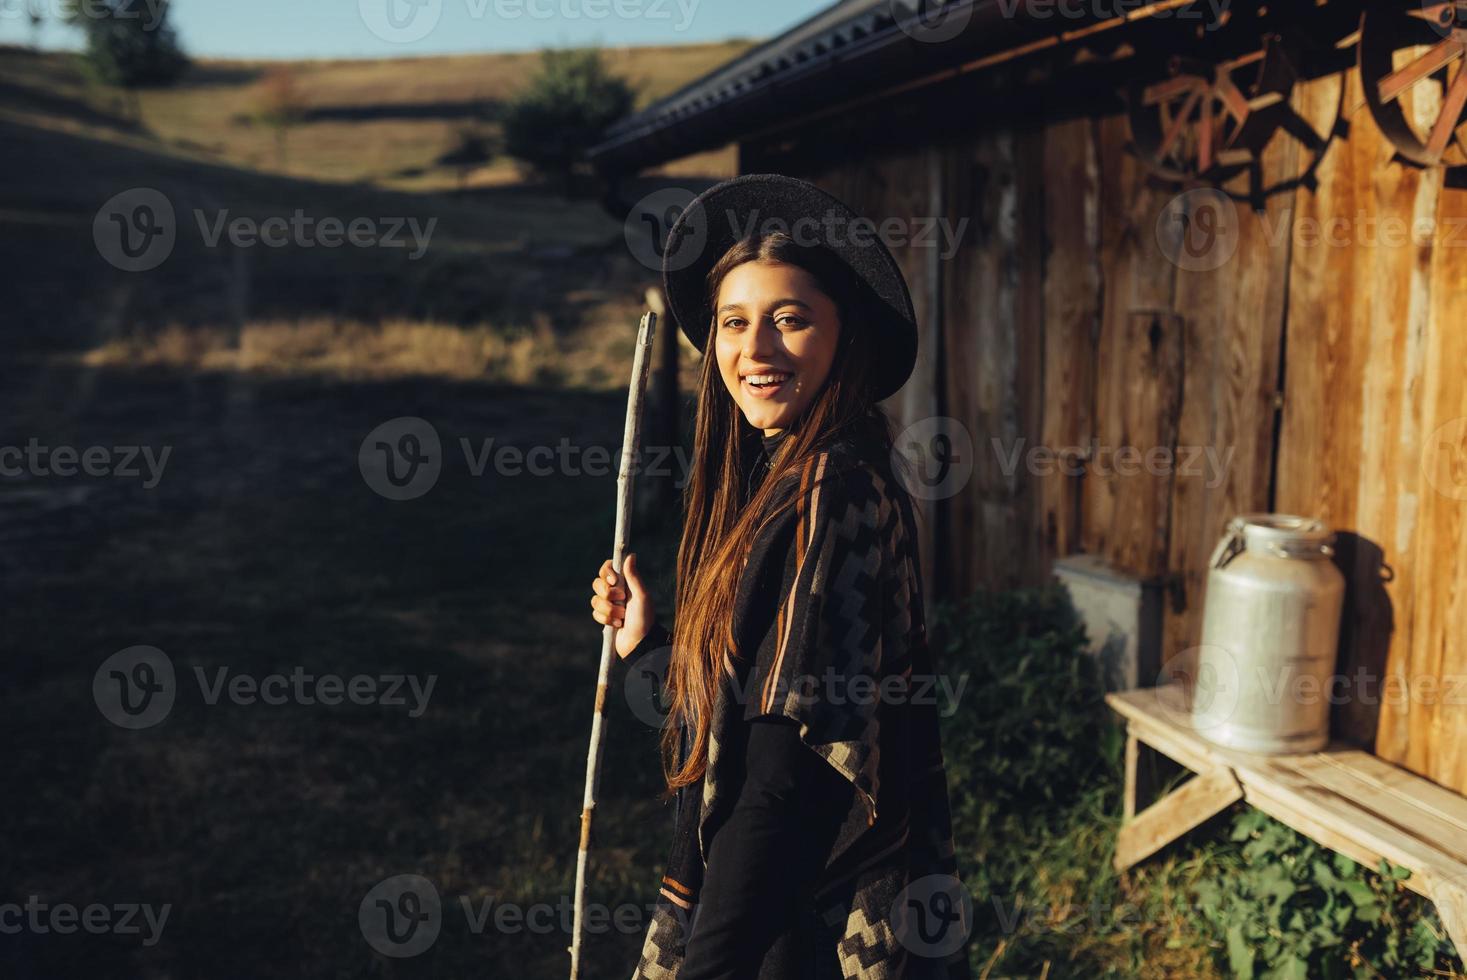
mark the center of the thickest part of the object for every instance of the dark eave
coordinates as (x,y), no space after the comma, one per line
(851,49)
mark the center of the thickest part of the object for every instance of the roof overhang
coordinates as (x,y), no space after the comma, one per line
(853,49)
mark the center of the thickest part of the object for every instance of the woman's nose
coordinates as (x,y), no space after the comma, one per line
(759,340)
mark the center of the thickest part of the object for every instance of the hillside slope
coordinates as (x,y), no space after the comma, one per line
(511,282)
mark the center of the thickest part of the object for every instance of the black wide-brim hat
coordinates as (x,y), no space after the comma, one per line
(759,203)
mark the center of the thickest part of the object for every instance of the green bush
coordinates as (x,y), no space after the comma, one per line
(563,111)
(129,42)
(1031,734)
(1287,908)
(1034,773)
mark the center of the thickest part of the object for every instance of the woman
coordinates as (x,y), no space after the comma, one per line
(816,840)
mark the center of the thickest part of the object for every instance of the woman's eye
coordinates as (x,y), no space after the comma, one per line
(732,323)
(789,320)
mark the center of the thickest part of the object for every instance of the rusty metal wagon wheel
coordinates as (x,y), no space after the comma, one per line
(1418,51)
(1210,121)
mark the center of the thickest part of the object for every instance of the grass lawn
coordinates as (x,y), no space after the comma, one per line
(261,550)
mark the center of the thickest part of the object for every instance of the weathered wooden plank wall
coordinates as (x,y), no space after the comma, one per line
(909,184)
(1373,423)
(982,370)
(1071,317)
(1233,316)
(1139,366)
(1062,323)
(1341,419)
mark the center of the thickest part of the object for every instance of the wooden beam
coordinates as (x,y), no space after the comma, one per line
(1133,755)
(1201,798)
(1450,899)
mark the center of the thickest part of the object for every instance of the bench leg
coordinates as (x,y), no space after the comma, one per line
(1450,898)
(1199,799)
(1133,757)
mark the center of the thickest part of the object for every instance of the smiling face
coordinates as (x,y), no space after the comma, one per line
(775,336)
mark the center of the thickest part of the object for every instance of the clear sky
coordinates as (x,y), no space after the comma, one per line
(394,28)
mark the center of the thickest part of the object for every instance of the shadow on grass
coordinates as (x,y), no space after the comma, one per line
(262,551)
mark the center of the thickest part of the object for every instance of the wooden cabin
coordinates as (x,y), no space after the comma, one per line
(1231,237)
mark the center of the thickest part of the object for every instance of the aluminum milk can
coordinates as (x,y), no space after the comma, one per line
(1270,630)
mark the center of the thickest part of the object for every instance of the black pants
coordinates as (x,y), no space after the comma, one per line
(804,951)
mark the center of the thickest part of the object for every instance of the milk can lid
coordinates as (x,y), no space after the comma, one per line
(1285,535)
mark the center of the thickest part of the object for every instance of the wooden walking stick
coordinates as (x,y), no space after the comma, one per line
(630,441)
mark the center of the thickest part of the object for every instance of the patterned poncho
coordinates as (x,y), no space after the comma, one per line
(830,631)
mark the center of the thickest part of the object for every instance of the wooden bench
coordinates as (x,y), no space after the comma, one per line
(1343,798)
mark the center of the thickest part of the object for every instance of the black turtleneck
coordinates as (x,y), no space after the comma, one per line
(768,445)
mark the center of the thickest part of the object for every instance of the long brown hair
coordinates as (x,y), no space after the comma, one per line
(719,526)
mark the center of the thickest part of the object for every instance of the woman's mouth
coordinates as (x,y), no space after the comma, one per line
(766,385)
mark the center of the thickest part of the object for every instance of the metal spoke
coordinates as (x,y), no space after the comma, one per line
(1446,123)
(1232,99)
(1170,89)
(1440,55)
(1174,130)
(1204,138)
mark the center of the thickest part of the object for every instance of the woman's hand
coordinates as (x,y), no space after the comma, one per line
(622,601)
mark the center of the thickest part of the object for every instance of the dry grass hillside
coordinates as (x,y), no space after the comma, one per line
(389,121)
(516,283)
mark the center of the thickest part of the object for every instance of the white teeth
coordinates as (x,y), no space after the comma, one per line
(765,379)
